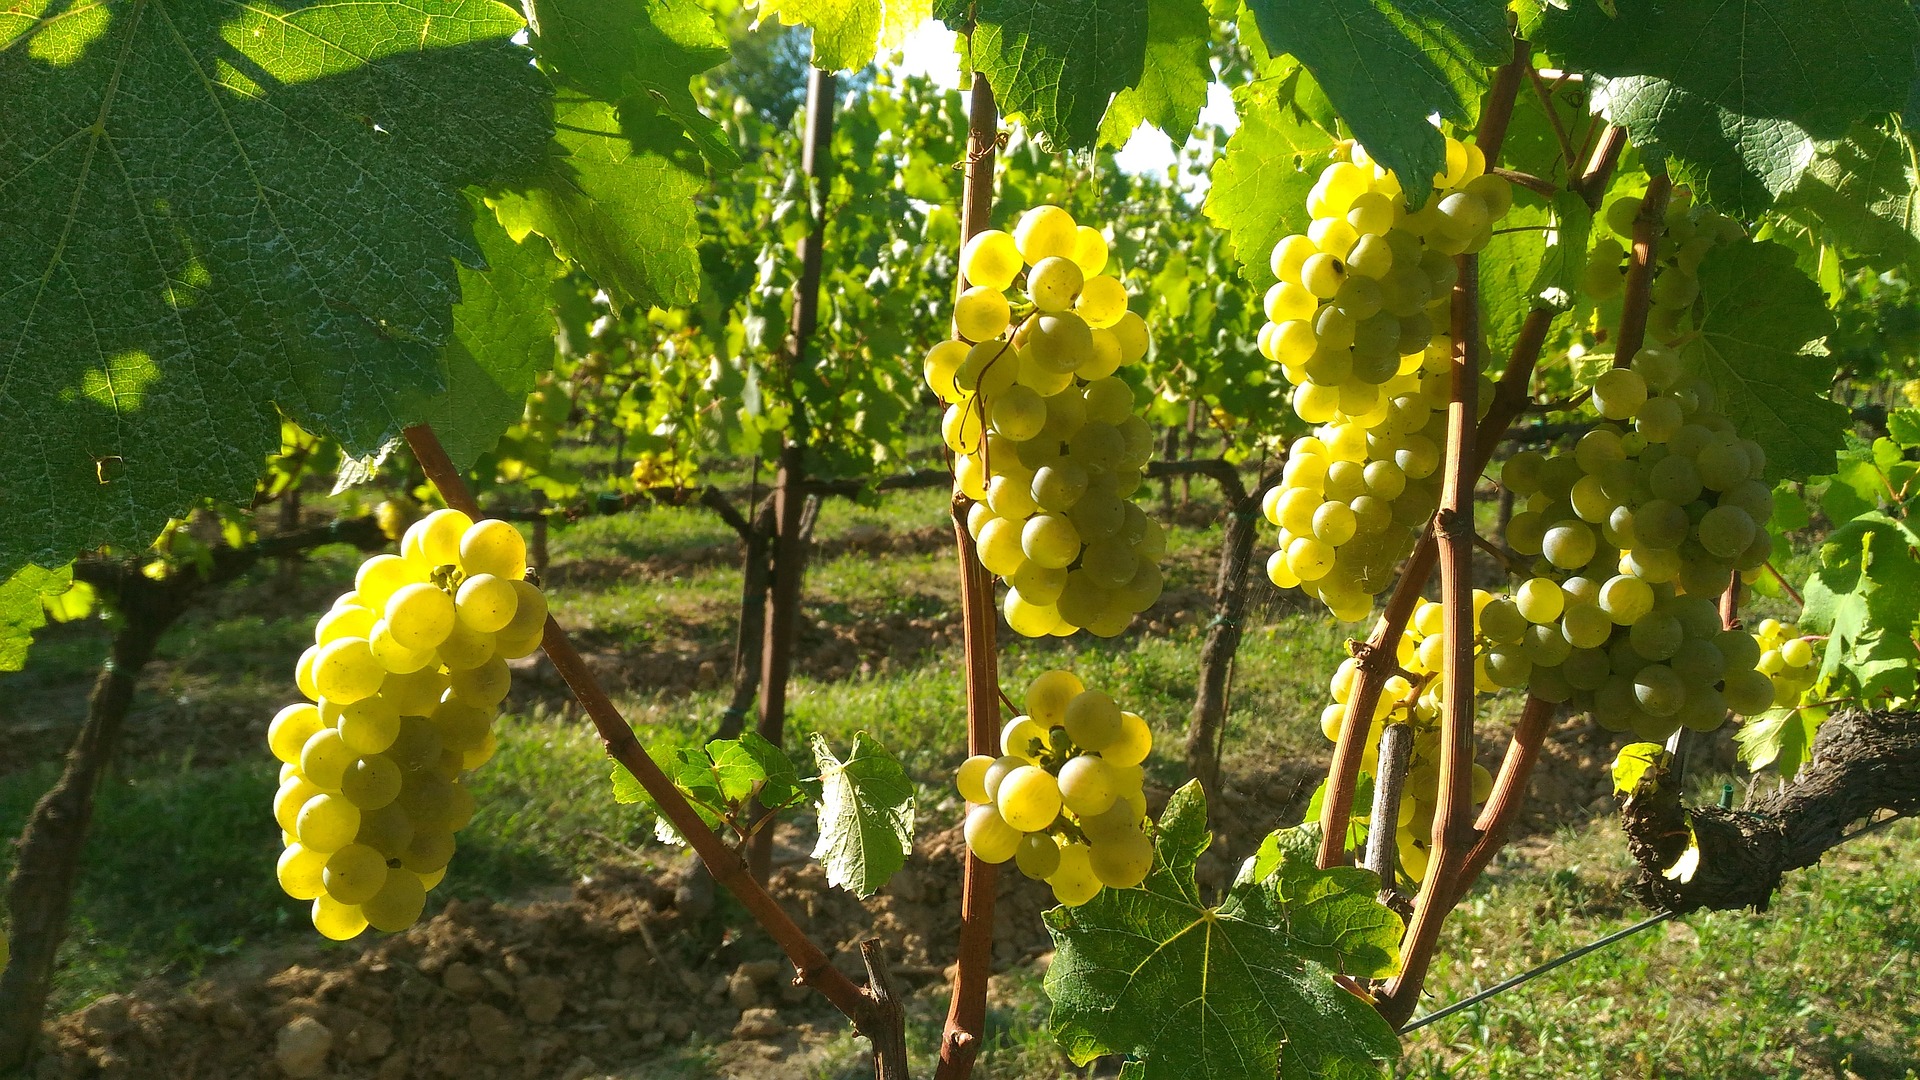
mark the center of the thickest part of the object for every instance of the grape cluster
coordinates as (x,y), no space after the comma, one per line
(1683,240)
(402,683)
(1043,432)
(1358,322)
(1786,658)
(1065,800)
(1415,696)
(1634,533)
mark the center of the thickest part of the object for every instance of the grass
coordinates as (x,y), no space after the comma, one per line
(178,872)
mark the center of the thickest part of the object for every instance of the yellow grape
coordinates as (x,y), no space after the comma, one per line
(325,758)
(981,313)
(971,780)
(419,616)
(440,533)
(989,836)
(398,904)
(1045,231)
(484,686)
(942,362)
(340,922)
(1048,695)
(1092,720)
(493,547)
(1073,881)
(1090,250)
(1133,743)
(1028,798)
(299,872)
(990,259)
(392,655)
(290,730)
(485,603)
(1038,856)
(380,576)
(352,621)
(368,726)
(345,671)
(1123,862)
(327,823)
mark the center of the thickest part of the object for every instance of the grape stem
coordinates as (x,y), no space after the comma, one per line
(1453,833)
(1637,301)
(810,962)
(1785,584)
(1538,185)
(1545,95)
(967,1005)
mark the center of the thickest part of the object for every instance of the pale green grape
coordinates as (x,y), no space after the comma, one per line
(299,872)
(368,726)
(1028,798)
(1087,785)
(1334,524)
(1074,882)
(1539,600)
(419,616)
(1092,719)
(1323,274)
(1508,667)
(1309,559)
(1675,479)
(1656,636)
(971,780)
(990,259)
(982,313)
(1619,393)
(434,540)
(1123,861)
(1726,531)
(354,874)
(337,921)
(1049,694)
(328,822)
(1659,690)
(1062,341)
(345,671)
(324,758)
(462,648)
(1585,626)
(371,782)
(1038,856)
(1053,284)
(1626,599)
(1569,544)
(1133,743)
(1797,652)
(485,603)
(398,904)
(1050,540)
(1290,255)
(1660,523)
(1045,231)
(1501,621)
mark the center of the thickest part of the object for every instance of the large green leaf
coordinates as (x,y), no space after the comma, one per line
(1055,63)
(1173,82)
(1862,191)
(847,34)
(1534,261)
(1736,162)
(1865,595)
(1780,737)
(1238,991)
(1762,345)
(23,609)
(213,208)
(1261,180)
(632,146)
(1819,64)
(866,815)
(502,340)
(1389,64)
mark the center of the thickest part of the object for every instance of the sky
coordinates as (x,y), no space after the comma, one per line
(929,51)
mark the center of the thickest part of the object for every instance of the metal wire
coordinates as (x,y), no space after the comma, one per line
(1593,946)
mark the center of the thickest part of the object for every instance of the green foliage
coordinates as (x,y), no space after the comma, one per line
(1634,762)
(866,815)
(1055,63)
(617,195)
(1389,64)
(502,341)
(1229,991)
(1861,192)
(1174,78)
(737,786)
(23,599)
(1762,346)
(212,211)
(1865,596)
(1780,737)
(848,33)
(1261,181)
(1736,95)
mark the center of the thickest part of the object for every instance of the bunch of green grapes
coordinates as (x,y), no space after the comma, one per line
(1415,696)
(1786,658)
(1684,238)
(402,683)
(1634,534)
(1065,800)
(1358,322)
(1044,435)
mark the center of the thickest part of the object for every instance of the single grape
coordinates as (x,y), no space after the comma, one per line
(337,921)
(1074,882)
(991,259)
(1038,856)
(1049,694)
(1122,862)
(1028,798)
(972,778)
(1092,720)
(398,904)
(299,872)
(1087,785)
(982,313)
(1053,284)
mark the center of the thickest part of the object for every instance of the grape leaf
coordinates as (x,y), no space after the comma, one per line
(1780,737)
(632,147)
(1762,346)
(1173,82)
(848,34)
(213,209)
(1632,764)
(1055,63)
(1903,427)
(1389,64)
(1238,991)
(1865,596)
(866,815)
(1738,163)
(502,340)
(1861,190)
(1819,64)
(23,598)
(1261,180)
(1536,260)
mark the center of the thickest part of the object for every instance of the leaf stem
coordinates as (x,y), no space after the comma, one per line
(1637,301)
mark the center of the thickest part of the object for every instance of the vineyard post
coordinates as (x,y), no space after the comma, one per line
(967,1007)
(789,495)
(811,964)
